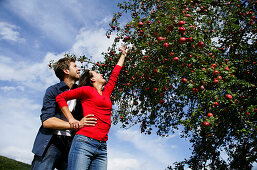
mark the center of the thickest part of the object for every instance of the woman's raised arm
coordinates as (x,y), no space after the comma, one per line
(123,55)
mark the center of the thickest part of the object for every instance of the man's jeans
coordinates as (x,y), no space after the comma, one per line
(56,155)
(87,154)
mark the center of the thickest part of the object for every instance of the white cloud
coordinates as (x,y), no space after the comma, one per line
(12,88)
(28,73)
(19,121)
(146,144)
(59,22)
(149,152)
(92,43)
(9,32)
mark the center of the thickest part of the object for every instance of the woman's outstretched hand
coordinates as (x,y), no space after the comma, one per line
(123,55)
(124,50)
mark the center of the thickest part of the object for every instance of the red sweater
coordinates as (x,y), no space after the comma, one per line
(94,103)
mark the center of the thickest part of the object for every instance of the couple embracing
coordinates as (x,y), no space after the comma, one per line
(75,119)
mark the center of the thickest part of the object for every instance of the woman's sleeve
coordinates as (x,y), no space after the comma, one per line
(78,93)
(112,80)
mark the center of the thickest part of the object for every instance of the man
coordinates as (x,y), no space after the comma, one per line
(52,143)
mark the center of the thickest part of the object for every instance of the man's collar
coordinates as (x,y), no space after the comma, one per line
(64,85)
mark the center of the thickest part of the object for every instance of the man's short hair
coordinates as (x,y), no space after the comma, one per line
(62,64)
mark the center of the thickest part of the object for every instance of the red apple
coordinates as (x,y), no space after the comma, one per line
(184,80)
(160,38)
(214,65)
(166,45)
(195,90)
(206,123)
(180,23)
(140,24)
(182,29)
(200,44)
(148,22)
(210,115)
(182,40)
(172,53)
(161,101)
(175,59)
(216,72)
(202,87)
(229,96)
(190,39)
(127,38)
(217,104)
(216,81)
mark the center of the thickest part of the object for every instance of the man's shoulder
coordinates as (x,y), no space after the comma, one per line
(57,85)
(56,88)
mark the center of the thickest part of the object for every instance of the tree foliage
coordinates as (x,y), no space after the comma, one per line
(190,63)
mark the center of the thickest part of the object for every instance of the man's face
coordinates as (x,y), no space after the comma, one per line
(74,71)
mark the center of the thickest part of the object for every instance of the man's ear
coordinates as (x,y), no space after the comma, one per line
(66,71)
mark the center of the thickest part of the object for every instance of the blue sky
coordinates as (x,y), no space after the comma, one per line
(33,32)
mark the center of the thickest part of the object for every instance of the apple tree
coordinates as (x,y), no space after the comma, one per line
(190,64)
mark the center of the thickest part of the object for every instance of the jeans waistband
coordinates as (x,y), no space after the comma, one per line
(92,139)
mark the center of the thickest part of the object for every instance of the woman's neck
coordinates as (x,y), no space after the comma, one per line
(98,88)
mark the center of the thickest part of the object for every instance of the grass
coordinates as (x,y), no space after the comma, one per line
(10,164)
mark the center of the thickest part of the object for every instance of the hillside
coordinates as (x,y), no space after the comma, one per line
(10,164)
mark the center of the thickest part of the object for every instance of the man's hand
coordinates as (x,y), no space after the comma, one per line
(74,124)
(88,120)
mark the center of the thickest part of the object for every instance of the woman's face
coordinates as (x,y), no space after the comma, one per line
(97,77)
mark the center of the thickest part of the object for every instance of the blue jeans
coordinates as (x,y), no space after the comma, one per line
(87,154)
(56,155)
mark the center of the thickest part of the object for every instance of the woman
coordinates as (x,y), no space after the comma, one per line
(89,149)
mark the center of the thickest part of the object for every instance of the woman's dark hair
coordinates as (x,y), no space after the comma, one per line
(85,79)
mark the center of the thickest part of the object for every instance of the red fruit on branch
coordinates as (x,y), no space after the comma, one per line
(182,29)
(140,24)
(184,80)
(229,96)
(201,44)
(210,115)
(216,81)
(175,59)
(166,45)
(214,65)
(172,53)
(195,90)
(190,39)
(182,40)
(202,87)
(180,23)
(127,38)
(216,72)
(160,38)
(161,101)
(206,123)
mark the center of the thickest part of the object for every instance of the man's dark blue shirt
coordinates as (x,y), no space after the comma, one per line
(50,109)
